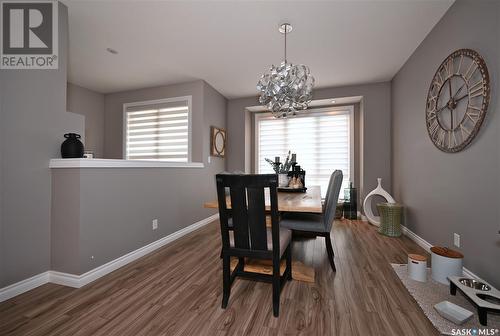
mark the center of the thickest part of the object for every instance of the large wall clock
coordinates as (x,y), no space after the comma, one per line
(457,100)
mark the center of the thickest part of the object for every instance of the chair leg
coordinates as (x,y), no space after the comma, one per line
(276,286)
(289,261)
(226,280)
(329,249)
(241,263)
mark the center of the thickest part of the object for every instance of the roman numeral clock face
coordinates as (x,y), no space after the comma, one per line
(457,100)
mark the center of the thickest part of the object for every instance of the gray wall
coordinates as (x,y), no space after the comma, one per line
(2,271)
(374,141)
(115,207)
(91,105)
(65,223)
(33,119)
(446,193)
(239,134)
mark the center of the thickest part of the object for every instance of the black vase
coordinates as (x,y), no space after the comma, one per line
(72,147)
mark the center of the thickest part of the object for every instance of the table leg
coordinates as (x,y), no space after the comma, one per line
(453,288)
(483,316)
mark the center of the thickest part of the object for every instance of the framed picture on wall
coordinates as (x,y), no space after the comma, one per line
(217,141)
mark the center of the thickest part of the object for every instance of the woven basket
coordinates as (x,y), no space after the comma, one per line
(390,219)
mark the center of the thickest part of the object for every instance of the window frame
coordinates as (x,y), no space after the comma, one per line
(189,100)
(333,110)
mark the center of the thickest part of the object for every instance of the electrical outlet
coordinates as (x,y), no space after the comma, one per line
(456,239)
(155,224)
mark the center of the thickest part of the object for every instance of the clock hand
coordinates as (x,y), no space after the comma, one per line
(458,91)
(449,87)
(456,100)
(441,108)
(451,116)
(459,99)
(452,98)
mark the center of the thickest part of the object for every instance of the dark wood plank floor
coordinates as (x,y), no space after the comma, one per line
(177,291)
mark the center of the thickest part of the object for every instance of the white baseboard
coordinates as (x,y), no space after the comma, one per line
(23,286)
(77,281)
(427,246)
(417,239)
(65,279)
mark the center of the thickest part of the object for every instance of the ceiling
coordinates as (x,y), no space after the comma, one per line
(230,44)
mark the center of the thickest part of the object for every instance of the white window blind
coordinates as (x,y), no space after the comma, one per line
(321,140)
(158,130)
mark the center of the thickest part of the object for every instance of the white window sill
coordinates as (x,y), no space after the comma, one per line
(109,163)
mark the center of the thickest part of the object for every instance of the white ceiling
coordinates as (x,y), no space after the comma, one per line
(229,44)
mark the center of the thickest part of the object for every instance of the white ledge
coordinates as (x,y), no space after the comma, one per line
(109,163)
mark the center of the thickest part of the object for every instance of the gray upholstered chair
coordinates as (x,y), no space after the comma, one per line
(318,224)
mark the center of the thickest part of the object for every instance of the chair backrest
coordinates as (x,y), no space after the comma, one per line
(248,210)
(330,182)
(332,198)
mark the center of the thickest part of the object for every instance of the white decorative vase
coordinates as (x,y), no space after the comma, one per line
(367,204)
(283,180)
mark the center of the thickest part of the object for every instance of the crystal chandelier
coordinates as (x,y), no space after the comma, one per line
(287,87)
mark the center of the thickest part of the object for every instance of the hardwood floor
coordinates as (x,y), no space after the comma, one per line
(178,290)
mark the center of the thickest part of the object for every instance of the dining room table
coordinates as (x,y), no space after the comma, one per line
(288,201)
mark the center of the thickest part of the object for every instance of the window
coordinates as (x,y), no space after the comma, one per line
(158,130)
(321,138)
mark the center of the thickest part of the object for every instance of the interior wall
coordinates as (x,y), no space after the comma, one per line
(91,105)
(214,114)
(2,271)
(106,226)
(112,226)
(374,142)
(33,121)
(451,193)
(239,134)
(65,223)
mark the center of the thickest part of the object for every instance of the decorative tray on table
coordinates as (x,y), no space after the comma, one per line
(290,189)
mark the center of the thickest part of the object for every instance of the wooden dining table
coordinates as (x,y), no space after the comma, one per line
(310,201)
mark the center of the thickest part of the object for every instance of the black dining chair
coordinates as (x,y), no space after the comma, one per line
(249,237)
(318,224)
